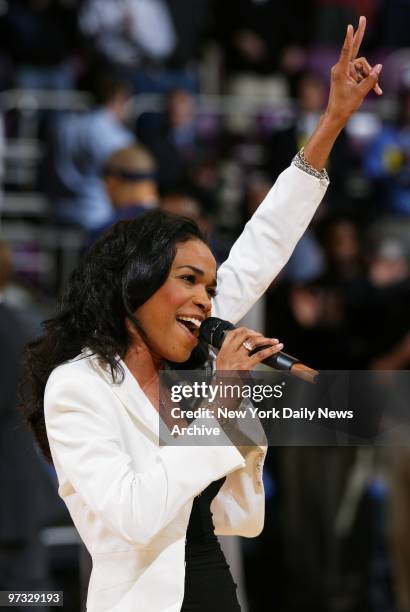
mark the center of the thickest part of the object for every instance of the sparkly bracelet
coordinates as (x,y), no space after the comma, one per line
(300,162)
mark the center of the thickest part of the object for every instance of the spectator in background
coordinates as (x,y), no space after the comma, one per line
(285,142)
(388,264)
(313,317)
(40,38)
(388,160)
(384,297)
(183,152)
(130,181)
(310,104)
(314,309)
(256,38)
(334,320)
(78,148)
(257,188)
(187,206)
(190,19)
(343,252)
(128,35)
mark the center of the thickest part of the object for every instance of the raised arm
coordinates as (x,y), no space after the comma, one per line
(270,237)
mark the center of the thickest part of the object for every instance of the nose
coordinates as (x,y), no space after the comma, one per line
(202,300)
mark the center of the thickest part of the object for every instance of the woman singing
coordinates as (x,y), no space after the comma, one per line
(149,515)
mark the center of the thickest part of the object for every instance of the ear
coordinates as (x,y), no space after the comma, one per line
(133,331)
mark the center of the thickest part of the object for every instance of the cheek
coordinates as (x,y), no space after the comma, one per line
(174,301)
(161,311)
(174,296)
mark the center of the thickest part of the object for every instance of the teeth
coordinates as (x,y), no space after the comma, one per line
(196,322)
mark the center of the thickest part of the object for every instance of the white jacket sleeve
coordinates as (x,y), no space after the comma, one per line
(239,507)
(256,258)
(86,448)
(267,242)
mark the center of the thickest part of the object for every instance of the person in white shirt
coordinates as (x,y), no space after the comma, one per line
(127,32)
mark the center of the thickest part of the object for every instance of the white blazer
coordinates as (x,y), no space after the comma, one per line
(131,499)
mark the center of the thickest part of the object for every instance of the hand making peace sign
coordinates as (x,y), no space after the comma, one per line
(352,78)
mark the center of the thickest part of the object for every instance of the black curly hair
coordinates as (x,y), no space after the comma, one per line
(123,269)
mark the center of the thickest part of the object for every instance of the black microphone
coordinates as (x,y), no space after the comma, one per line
(214,330)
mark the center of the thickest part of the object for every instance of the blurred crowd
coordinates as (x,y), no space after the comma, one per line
(109,108)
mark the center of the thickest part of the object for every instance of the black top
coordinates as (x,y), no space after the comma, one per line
(208,581)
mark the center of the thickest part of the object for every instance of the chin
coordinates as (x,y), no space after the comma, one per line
(181,358)
(196,360)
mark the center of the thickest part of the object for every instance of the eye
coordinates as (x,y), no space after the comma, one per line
(189,278)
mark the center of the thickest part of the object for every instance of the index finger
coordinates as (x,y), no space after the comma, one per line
(358,37)
(346,52)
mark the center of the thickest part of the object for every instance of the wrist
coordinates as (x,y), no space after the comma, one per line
(315,169)
(335,120)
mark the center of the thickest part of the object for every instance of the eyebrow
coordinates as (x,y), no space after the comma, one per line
(197,271)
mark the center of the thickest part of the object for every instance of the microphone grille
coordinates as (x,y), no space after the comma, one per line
(213,331)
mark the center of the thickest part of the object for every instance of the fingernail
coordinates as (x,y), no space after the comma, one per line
(378,68)
(275,340)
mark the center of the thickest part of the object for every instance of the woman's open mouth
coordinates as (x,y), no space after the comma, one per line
(190,325)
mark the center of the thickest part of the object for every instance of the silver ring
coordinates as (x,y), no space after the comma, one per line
(247,345)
